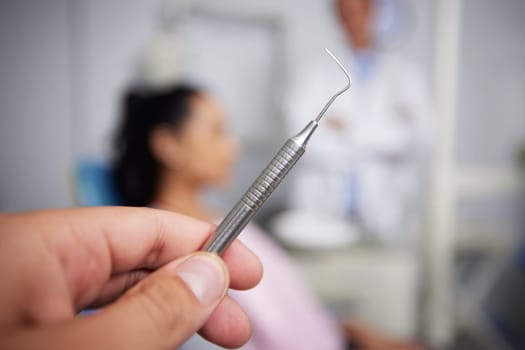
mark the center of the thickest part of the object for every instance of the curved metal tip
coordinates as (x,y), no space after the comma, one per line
(338,93)
(348,77)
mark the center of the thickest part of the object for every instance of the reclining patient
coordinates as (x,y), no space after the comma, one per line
(172,144)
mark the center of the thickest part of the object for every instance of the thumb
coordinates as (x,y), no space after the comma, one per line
(166,308)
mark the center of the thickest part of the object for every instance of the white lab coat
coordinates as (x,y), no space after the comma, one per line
(371,168)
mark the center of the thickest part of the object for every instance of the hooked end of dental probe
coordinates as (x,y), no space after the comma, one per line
(304,135)
(338,93)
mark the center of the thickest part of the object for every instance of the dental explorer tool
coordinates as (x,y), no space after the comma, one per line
(285,159)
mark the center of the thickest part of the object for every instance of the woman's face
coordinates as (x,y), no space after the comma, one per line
(206,150)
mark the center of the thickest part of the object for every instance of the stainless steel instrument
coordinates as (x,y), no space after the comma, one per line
(285,159)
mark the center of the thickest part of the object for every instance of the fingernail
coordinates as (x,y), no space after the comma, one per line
(204,276)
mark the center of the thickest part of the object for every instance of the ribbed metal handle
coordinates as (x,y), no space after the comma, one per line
(255,197)
(273,174)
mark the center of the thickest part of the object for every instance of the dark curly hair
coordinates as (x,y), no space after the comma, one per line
(135,168)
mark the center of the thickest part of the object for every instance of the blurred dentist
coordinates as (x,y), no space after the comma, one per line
(366,163)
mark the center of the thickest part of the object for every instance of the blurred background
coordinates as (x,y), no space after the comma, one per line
(451,273)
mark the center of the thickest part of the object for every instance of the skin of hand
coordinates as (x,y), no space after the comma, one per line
(366,338)
(336,123)
(138,264)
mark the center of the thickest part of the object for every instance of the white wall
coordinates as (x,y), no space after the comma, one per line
(34,104)
(491,124)
(491,115)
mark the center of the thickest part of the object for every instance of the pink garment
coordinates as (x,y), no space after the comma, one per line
(284,314)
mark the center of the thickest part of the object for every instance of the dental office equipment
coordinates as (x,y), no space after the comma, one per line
(285,159)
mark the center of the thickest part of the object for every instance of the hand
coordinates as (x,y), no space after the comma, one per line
(336,123)
(366,338)
(55,263)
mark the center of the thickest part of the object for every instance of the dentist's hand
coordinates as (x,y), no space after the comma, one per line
(138,262)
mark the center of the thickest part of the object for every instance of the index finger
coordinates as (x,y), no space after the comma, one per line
(95,243)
